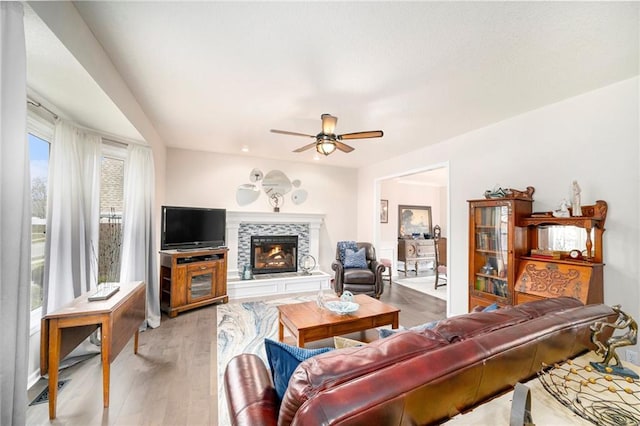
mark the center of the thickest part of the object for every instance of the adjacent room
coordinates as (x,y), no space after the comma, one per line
(239,213)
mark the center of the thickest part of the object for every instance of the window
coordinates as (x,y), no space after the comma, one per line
(111,207)
(39,166)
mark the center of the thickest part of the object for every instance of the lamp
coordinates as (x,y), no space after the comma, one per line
(325,145)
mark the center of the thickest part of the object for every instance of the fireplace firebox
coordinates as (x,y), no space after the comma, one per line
(274,253)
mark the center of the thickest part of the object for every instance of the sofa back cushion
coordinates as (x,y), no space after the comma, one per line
(463,327)
(332,368)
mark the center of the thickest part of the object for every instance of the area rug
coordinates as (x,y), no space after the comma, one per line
(423,285)
(242,328)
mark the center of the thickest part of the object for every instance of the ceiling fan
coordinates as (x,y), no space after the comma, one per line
(327,141)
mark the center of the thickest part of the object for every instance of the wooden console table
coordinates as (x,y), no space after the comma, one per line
(118,317)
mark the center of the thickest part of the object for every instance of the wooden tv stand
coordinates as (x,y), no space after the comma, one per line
(191,279)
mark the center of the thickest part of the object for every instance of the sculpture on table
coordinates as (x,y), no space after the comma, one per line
(576,208)
(608,351)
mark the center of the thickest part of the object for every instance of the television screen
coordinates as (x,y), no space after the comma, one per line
(192,227)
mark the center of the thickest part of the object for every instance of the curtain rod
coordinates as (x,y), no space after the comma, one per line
(39,105)
(114,139)
(114,143)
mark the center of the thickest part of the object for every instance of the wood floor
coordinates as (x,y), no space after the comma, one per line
(172,380)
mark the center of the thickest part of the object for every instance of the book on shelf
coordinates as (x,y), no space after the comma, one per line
(542,214)
(546,254)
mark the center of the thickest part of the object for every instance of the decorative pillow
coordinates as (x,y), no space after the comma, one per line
(343,246)
(491,307)
(355,259)
(284,359)
(342,342)
(386,332)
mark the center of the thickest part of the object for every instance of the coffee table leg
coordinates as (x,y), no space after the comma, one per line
(280,330)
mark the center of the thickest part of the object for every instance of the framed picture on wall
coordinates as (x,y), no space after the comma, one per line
(414,222)
(384,211)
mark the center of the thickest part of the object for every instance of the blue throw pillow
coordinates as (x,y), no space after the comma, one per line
(386,332)
(492,307)
(284,359)
(355,259)
(343,246)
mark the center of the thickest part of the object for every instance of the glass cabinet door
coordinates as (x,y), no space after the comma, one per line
(200,283)
(490,255)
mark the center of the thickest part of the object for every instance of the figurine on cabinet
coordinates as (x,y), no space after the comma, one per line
(576,209)
(563,210)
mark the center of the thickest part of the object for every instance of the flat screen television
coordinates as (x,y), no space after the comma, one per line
(192,227)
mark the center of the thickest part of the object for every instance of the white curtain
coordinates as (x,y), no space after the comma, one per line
(15,217)
(73,215)
(138,234)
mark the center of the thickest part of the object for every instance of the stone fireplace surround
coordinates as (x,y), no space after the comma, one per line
(240,227)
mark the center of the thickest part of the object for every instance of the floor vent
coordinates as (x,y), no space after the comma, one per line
(44,395)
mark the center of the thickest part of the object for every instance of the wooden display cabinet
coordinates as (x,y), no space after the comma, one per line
(191,279)
(496,241)
(580,276)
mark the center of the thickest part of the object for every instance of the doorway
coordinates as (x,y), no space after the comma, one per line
(428,187)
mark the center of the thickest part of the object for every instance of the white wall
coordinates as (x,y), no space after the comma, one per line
(593,138)
(204,179)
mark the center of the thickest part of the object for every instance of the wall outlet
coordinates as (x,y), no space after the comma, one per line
(632,357)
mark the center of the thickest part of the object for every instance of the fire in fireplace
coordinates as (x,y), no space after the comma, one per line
(274,253)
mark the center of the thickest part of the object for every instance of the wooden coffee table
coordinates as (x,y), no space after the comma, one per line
(308,322)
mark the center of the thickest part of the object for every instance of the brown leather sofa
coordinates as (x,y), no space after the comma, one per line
(416,378)
(359,280)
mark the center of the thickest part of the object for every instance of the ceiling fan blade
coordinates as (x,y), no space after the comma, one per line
(343,147)
(304,148)
(285,132)
(329,124)
(361,135)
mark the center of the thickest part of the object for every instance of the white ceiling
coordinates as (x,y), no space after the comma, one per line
(216,76)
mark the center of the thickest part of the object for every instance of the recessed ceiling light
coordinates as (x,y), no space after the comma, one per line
(245,148)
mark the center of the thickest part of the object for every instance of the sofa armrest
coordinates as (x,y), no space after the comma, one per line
(251,397)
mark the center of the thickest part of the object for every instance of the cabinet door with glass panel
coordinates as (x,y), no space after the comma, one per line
(495,245)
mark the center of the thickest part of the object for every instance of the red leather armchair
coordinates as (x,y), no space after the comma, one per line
(356,280)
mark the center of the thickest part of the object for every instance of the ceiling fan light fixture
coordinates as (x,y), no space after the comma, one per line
(327,140)
(325,146)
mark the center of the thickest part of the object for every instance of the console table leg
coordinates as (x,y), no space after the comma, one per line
(106,364)
(55,336)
